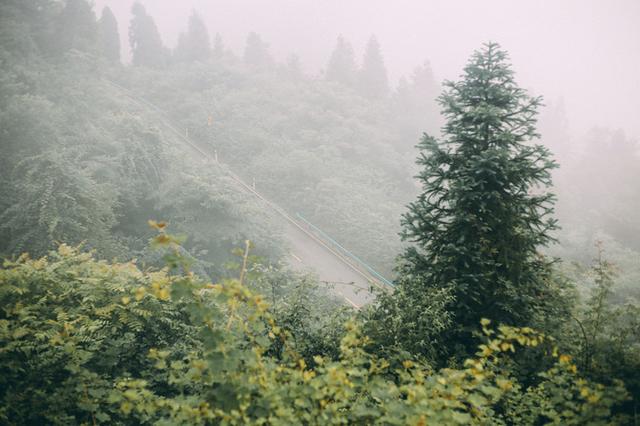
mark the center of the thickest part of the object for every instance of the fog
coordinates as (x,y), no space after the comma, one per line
(319,212)
(586,53)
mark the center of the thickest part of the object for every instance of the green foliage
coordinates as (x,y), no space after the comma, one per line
(108,36)
(373,82)
(194,44)
(53,200)
(26,30)
(146,45)
(410,320)
(91,342)
(313,319)
(342,64)
(415,107)
(70,325)
(482,215)
(82,163)
(312,147)
(75,27)
(608,204)
(562,398)
(206,205)
(256,52)
(607,336)
(218,47)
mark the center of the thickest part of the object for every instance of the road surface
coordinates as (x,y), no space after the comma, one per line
(310,255)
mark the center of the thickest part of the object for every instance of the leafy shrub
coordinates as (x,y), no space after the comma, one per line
(86,341)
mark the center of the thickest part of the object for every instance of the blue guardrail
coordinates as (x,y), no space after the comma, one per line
(345,251)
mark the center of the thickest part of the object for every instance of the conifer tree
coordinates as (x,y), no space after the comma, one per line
(108,36)
(76,27)
(415,106)
(342,64)
(484,211)
(194,45)
(146,44)
(256,52)
(218,46)
(554,130)
(373,81)
(293,69)
(425,90)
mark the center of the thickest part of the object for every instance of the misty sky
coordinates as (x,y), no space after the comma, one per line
(587,52)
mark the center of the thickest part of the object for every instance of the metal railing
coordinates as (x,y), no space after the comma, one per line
(346,252)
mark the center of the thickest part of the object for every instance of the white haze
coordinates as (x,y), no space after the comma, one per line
(586,52)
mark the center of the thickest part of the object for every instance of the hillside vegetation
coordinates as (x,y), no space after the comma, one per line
(141,285)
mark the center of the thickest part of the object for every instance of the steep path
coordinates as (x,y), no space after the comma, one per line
(310,250)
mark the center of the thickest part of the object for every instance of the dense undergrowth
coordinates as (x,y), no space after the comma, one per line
(87,341)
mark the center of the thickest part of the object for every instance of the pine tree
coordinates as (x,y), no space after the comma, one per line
(146,44)
(76,27)
(415,106)
(484,211)
(425,86)
(194,45)
(108,36)
(218,47)
(25,34)
(425,89)
(554,129)
(342,64)
(373,81)
(293,69)
(256,52)
(609,203)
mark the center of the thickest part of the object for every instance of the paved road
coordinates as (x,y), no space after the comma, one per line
(307,254)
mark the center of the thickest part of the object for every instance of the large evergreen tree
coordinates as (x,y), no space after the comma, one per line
(293,69)
(373,81)
(218,47)
(415,107)
(484,212)
(146,44)
(75,27)
(194,45)
(609,203)
(342,64)
(256,52)
(554,130)
(108,36)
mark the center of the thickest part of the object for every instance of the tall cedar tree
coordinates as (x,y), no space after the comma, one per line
(146,44)
(218,47)
(373,81)
(484,211)
(415,106)
(342,64)
(293,70)
(108,36)
(256,52)
(76,27)
(194,45)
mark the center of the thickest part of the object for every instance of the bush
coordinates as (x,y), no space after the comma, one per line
(85,341)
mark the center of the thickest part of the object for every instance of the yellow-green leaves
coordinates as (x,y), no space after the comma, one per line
(149,347)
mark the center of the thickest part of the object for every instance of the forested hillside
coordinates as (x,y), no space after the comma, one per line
(83,163)
(516,274)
